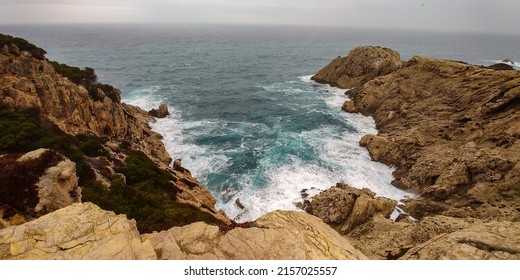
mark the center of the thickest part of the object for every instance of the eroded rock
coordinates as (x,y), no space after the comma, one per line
(276,235)
(80,231)
(361,65)
(345,207)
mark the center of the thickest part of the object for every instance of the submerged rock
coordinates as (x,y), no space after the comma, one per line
(161,112)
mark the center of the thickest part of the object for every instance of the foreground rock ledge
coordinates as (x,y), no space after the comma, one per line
(78,232)
(84,231)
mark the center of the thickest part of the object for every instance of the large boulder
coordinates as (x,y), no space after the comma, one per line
(361,65)
(78,232)
(276,235)
(160,112)
(345,207)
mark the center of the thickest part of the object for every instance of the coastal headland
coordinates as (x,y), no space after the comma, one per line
(84,177)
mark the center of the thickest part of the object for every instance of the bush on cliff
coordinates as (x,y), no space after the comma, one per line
(22,45)
(87,77)
(148,196)
(18,179)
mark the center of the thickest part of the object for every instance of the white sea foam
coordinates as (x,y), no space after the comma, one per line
(515,64)
(346,161)
(341,157)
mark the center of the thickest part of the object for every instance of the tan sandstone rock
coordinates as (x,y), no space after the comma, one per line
(451,130)
(276,235)
(488,241)
(28,82)
(345,207)
(80,231)
(361,65)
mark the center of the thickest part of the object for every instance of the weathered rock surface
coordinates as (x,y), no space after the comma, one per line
(489,241)
(345,207)
(46,182)
(451,130)
(276,235)
(57,187)
(28,82)
(361,65)
(80,232)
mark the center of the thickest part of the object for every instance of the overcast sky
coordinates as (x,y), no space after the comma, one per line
(502,16)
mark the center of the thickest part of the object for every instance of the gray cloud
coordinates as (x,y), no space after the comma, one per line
(458,15)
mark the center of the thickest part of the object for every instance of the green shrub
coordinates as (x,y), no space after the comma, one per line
(91,145)
(148,196)
(18,190)
(23,45)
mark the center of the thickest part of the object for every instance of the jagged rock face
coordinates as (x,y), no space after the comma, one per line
(361,65)
(27,82)
(489,241)
(57,187)
(37,183)
(452,131)
(276,235)
(382,238)
(345,207)
(80,232)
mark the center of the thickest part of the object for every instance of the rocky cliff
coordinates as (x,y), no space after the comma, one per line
(108,149)
(451,130)
(66,139)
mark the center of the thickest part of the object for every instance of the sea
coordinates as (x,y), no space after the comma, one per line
(246,118)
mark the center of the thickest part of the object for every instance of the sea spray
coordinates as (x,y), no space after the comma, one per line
(257,166)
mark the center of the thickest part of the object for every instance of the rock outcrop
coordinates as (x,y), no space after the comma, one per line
(160,112)
(345,207)
(451,130)
(78,232)
(276,235)
(488,241)
(36,183)
(28,82)
(362,64)
(109,141)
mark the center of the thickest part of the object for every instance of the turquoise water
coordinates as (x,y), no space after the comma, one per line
(246,119)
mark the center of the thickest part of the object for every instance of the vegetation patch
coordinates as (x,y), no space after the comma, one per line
(18,179)
(24,131)
(148,196)
(22,45)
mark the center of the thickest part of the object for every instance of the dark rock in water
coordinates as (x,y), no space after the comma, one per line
(239,204)
(304,194)
(507,60)
(161,112)
(304,205)
(501,66)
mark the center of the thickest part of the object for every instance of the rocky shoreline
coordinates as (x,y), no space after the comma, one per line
(450,129)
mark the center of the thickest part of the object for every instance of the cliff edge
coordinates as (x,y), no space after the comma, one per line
(67,138)
(451,130)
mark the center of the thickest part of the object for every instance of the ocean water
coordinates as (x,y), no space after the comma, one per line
(245,117)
